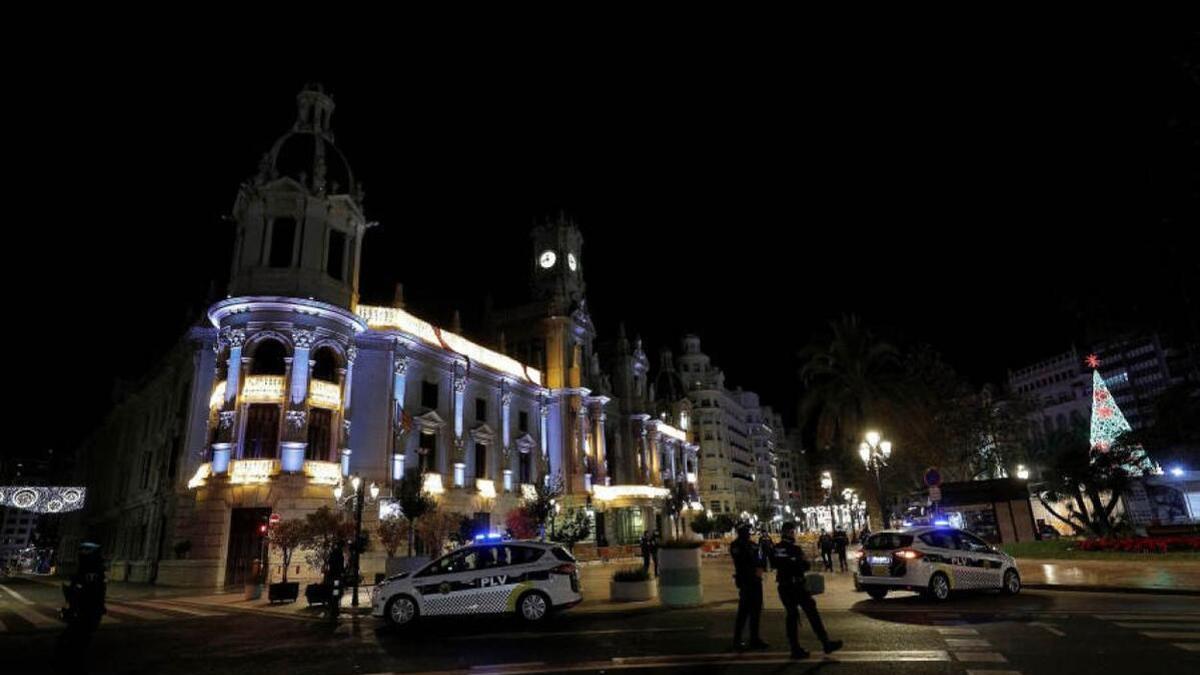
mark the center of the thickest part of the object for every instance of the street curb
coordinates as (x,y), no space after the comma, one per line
(1080,588)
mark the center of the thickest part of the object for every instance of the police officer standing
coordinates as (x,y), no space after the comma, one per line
(748,567)
(790,566)
(840,543)
(335,573)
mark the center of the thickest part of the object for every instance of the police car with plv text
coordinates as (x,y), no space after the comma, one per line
(932,561)
(490,576)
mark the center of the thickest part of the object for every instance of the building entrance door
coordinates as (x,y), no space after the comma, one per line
(245,543)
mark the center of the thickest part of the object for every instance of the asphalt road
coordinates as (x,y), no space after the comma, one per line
(1048,632)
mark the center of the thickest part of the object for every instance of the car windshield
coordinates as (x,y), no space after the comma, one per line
(888,541)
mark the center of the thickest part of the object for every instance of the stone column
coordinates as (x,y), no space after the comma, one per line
(399,382)
(458,463)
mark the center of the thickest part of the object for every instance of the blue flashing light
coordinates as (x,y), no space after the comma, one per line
(943,523)
(494,536)
(907,523)
(1176,471)
(479,537)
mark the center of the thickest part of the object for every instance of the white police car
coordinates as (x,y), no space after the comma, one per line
(528,578)
(932,561)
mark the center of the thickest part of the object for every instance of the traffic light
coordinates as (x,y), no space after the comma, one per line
(262,530)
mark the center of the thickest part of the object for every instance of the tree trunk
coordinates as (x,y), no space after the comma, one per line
(412,532)
(1083,512)
(1099,515)
(1051,511)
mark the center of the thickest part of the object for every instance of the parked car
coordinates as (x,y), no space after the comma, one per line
(528,578)
(933,561)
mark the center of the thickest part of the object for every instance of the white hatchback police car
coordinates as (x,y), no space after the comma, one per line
(528,578)
(932,561)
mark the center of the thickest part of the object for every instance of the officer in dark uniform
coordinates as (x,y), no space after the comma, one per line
(790,566)
(748,567)
(335,576)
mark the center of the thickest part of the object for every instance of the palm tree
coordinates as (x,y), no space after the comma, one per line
(851,382)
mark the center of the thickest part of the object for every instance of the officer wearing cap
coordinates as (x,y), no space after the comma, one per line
(790,565)
(748,567)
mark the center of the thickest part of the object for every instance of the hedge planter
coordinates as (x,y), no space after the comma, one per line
(630,591)
(679,577)
(286,591)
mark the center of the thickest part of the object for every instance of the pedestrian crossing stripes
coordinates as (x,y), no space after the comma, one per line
(1182,629)
(17,617)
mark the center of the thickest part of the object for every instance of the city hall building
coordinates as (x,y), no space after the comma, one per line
(292,386)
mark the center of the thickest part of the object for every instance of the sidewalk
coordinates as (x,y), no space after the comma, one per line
(1181,578)
(1139,576)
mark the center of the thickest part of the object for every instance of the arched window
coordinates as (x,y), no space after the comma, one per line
(326,364)
(268,358)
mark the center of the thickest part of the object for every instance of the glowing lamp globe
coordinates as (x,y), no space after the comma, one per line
(374,491)
(886,448)
(864,451)
(337,492)
(873,438)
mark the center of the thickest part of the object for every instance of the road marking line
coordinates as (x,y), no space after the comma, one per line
(1190,646)
(1169,635)
(957,631)
(685,660)
(158,604)
(35,617)
(1168,626)
(17,595)
(139,613)
(967,642)
(780,657)
(990,657)
(612,631)
(1147,617)
(1053,630)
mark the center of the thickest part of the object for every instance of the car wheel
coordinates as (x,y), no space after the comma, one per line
(1012,583)
(533,606)
(877,593)
(400,611)
(939,587)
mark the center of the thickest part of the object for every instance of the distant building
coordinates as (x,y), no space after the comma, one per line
(17,527)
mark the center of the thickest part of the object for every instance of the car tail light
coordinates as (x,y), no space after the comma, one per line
(565,568)
(909,554)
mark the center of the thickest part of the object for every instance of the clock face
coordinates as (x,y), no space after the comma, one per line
(571,261)
(547,259)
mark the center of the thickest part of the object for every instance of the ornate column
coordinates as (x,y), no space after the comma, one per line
(601,465)
(227,418)
(347,377)
(506,470)
(584,458)
(543,435)
(460,388)
(294,442)
(399,382)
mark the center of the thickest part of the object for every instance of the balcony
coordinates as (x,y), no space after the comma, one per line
(259,471)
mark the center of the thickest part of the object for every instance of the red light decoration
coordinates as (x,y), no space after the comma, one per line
(1092,361)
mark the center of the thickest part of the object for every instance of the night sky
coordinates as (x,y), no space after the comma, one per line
(997,197)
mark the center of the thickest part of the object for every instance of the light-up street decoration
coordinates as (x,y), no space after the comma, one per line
(41,499)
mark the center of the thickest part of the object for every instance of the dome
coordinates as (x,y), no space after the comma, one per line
(307,152)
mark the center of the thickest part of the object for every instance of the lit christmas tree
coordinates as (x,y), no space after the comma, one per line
(1108,424)
(1107,421)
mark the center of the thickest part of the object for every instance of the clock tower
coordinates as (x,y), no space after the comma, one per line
(558,265)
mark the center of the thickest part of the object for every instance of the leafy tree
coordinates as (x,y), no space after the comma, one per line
(851,382)
(702,525)
(520,524)
(324,529)
(1081,477)
(572,528)
(436,528)
(678,498)
(392,533)
(287,536)
(723,523)
(415,502)
(466,531)
(541,507)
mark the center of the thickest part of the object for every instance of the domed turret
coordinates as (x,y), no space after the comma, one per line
(299,221)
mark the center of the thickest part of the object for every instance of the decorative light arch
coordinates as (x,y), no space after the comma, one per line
(42,499)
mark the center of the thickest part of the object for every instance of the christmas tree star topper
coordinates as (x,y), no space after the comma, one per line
(1093,361)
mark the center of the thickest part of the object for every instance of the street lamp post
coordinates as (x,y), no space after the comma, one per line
(875,452)
(358,497)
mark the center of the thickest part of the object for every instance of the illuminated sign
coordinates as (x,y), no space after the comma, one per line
(324,394)
(243,471)
(323,473)
(263,389)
